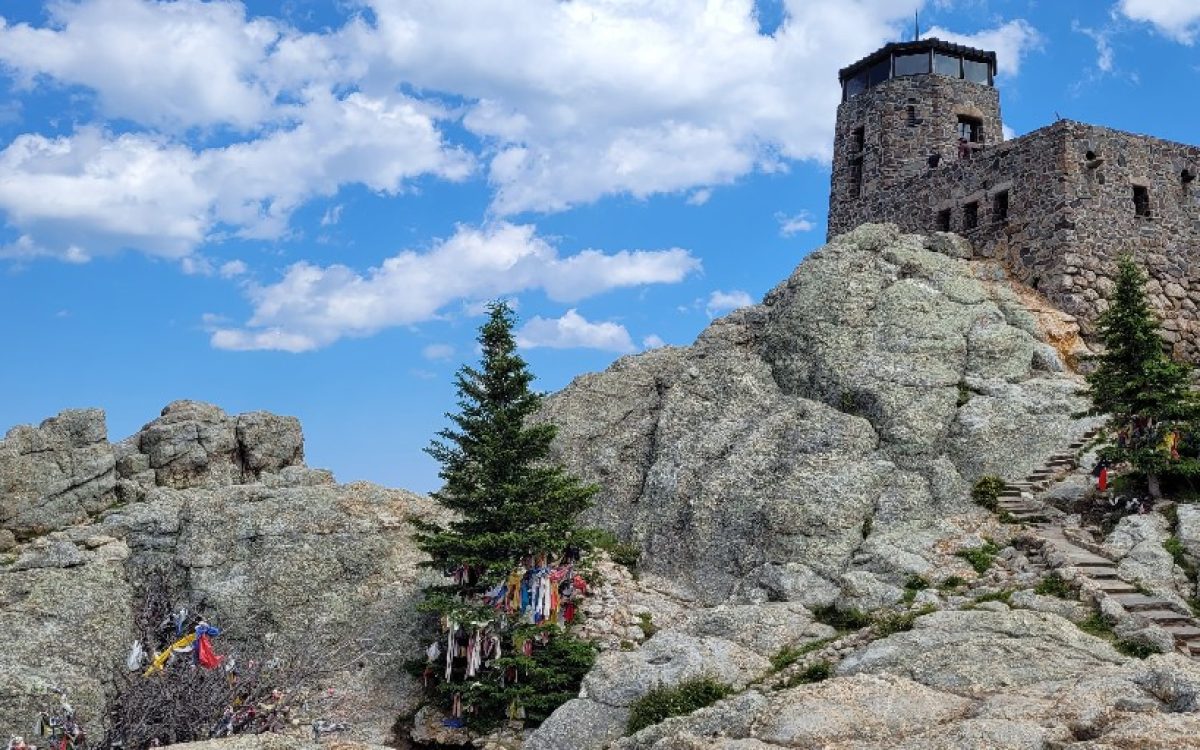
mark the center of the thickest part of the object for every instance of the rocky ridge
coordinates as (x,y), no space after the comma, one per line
(224,506)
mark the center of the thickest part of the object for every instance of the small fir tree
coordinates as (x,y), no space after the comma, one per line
(512,503)
(1146,394)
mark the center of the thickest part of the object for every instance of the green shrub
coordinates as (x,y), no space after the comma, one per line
(916,583)
(1136,650)
(897,622)
(822,670)
(849,619)
(1054,585)
(646,623)
(986,491)
(964,393)
(952,582)
(980,558)
(621,553)
(1179,555)
(789,655)
(662,702)
(996,596)
(1098,625)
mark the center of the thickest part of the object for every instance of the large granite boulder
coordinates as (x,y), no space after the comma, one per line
(56,474)
(868,390)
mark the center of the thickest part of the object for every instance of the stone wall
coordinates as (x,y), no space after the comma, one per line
(1070,212)
(897,145)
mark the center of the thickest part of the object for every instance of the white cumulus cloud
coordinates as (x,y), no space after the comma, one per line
(103,192)
(573,331)
(590,98)
(792,225)
(1011,42)
(1177,19)
(722,302)
(313,306)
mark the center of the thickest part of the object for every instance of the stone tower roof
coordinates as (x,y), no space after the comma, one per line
(921,45)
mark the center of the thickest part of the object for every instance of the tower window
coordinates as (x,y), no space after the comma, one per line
(970,129)
(945,65)
(977,72)
(1187,176)
(943,220)
(971,215)
(856,177)
(912,116)
(858,140)
(1000,207)
(912,65)
(1141,200)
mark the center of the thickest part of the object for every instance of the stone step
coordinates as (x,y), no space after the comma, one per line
(1116,586)
(1140,602)
(1097,572)
(1079,556)
(1193,647)
(1027,517)
(1183,632)
(1163,616)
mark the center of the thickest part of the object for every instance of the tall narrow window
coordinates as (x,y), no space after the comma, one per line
(1141,200)
(943,220)
(971,215)
(912,116)
(970,129)
(858,140)
(1000,207)
(856,176)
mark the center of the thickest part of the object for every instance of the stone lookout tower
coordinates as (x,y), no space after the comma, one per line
(919,143)
(905,109)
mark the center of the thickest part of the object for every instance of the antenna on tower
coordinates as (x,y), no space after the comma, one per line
(917,26)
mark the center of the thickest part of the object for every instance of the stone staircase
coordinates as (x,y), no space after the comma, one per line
(1019,500)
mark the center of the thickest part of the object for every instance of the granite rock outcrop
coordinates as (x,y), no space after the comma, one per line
(867,390)
(224,508)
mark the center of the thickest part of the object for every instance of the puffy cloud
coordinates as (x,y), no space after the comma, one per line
(573,331)
(103,192)
(653,341)
(790,225)
(177,63)
(595,97)
(313,306)
(639,97)
(721,302)
(181,63)
(1177,19)
(233,269)
(1011,42)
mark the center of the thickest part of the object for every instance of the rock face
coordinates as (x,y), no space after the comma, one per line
(730,644)
(223,506)
(868,389)
(56,474)
(958,681)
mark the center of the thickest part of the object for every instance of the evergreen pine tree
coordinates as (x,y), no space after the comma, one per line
(512,504)
(1146,394)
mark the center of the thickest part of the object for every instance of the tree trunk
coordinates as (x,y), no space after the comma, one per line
(1152,486)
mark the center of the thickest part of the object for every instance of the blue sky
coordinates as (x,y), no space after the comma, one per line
(301,205)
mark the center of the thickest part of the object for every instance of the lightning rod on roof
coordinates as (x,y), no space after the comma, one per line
(917,26)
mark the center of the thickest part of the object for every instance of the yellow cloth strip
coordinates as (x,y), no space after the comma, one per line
(161,660)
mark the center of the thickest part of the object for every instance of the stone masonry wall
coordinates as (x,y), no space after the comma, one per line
(1070,216)
(897,146)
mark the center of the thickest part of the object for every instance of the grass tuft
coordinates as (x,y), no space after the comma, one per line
(663,702)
